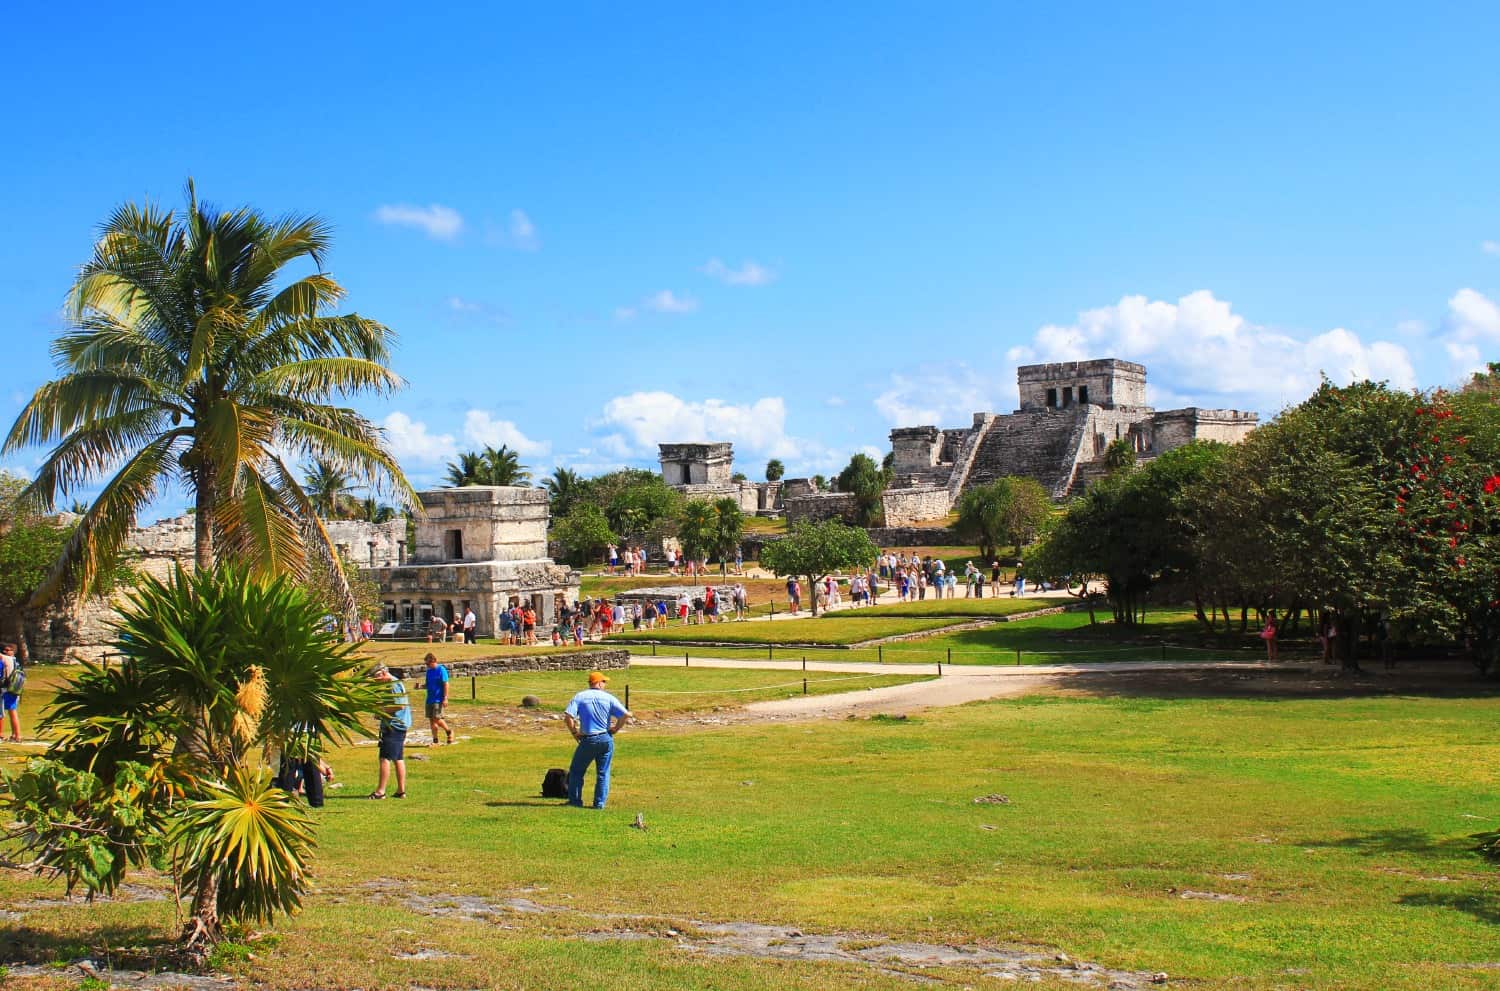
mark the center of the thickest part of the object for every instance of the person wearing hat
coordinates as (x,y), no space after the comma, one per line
(394,722)
(593,717)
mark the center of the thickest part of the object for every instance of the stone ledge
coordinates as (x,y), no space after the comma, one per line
(585,660)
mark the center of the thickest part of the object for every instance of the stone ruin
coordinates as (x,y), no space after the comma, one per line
(1070,413)
(75,629)
(706,471)
(479,546)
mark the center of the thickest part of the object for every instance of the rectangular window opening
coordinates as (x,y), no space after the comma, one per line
(1052,399)
(1067,396)
(453,545)
(1083,395)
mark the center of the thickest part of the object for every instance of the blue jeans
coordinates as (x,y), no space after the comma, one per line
(595,748)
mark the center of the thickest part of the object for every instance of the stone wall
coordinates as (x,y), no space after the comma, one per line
(914,505)
(1101,382)
(543,660)
(915,536)
(915,448)
(696,464)
(369,545)
(820,506)
(496,523)
(1175,427)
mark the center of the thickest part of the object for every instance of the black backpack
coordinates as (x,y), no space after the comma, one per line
(555,783)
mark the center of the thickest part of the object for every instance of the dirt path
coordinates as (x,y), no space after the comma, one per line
(957,685)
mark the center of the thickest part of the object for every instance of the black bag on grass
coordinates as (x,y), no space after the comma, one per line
(555,783)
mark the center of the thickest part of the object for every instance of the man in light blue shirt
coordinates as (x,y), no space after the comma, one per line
(593,717)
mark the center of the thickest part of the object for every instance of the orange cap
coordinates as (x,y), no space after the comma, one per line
(597,678)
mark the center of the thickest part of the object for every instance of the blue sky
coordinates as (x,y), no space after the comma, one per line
(600,228)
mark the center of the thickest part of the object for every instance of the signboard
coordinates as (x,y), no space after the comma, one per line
(388,629)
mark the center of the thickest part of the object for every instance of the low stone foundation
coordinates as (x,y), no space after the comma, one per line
(556,660)
(915,536)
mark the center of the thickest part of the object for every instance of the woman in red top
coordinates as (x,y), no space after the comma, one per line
(1268,634)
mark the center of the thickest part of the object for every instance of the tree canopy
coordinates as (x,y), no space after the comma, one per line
(815,549)
(191,363)
(864,479)
(491,466)
(1008,511)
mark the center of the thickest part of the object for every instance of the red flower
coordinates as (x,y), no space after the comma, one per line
(1461,561)
(1492,485)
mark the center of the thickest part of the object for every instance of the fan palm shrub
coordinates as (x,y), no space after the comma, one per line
(158,759)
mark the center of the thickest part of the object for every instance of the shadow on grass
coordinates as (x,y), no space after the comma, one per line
(132,947)
(554,803)
(1398,840)
(1437,680)
(1483,906)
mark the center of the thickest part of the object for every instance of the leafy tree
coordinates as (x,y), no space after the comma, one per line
(863,479)
(813,550)
(774,470)
(638,506)
(1008,511)
(230,665)
(187,365)
(29,546)
(492,466)
(583,532)
(729,527)
(372,510)
(1119,455)
(819,483)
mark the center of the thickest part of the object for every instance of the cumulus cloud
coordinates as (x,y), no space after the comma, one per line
(750,273)
(665,301)
(1470,329)
(483,430)
(631,426)
(1199,351)
(410,440)
(941,395)
(437,221)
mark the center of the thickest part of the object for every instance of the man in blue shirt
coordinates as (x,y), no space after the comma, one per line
(593,717)
(437,697)
(394,722)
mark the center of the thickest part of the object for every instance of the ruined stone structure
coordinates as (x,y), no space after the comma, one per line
(479,546)
(76,629)
(706,471)
(1069,414)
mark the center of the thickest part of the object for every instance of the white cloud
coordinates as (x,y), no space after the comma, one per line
(460,305)
(523,234)
(941,395)
(440,222)
(665,301)
(1471,325)
(482,429)
(1199,351)
(1490,247)
(637,423)
(409,440)
(750,273)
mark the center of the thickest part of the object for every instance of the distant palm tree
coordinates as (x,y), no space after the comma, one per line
(467,470)
(564,487)
(504,467)
(329,489)
(492,466)
(188,365)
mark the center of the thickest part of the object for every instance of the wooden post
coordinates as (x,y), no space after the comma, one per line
(684,658)
(804,686)
(1018,655)
(880,653)
(473,688)
(627,695)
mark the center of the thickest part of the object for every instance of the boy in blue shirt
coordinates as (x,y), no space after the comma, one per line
(593,717)
(437,697)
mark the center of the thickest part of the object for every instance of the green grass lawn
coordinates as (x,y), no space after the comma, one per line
(667,691)
(960,607)
(836,628)
(1337,853)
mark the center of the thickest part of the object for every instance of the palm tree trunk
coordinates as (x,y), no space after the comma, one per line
(203,519)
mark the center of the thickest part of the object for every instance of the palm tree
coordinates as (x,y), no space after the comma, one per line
(492,466)
(564,488)
(467,470)
(189,365)
(328,489)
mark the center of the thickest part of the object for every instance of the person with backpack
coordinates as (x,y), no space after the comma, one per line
(393,726)
(12,680)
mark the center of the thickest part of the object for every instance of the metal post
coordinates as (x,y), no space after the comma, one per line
(627,695)
(804,662)
(1018,655)
(653,651)
(950,655)
(880,653)
(684,658)
(473,688)
(804,686)
(940,669)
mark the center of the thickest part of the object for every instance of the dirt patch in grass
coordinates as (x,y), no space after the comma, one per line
(1436,679)
(906,958)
